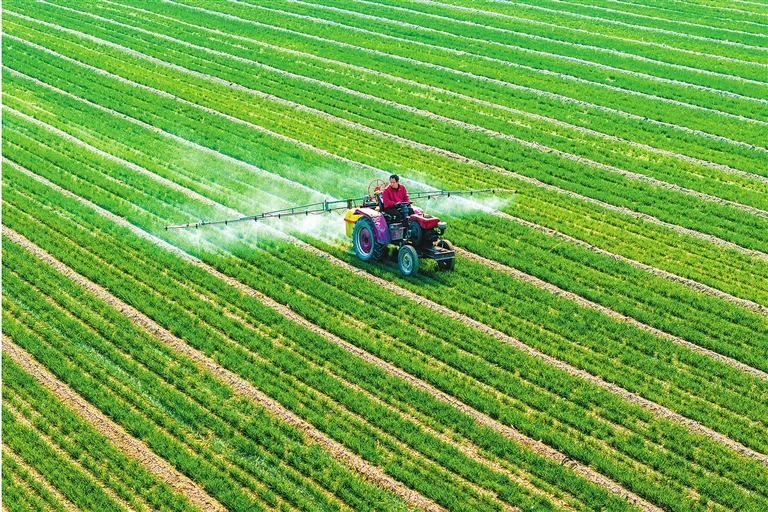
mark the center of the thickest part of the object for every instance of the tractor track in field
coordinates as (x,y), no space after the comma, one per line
(537,92)
(536,446)
(62,500)
(537,117)
(130,446)
(538,283)
(413,144)
(240,385)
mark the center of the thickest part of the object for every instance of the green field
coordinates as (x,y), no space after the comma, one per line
(602,343)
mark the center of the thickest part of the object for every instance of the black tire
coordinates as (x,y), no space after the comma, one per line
(416,233)
(446,264)
(364,241)
(408,260)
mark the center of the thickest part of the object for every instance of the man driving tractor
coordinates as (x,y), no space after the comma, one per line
(393,194)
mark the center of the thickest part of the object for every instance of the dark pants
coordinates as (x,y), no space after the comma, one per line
(397,213)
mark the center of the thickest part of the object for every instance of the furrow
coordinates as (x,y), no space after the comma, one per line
(237,383)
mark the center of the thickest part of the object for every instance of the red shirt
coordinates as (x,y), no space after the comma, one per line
(392,196)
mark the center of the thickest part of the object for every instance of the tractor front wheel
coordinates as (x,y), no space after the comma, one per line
(364,241)
(408,260)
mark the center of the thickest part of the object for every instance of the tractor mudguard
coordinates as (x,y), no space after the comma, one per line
(380,228)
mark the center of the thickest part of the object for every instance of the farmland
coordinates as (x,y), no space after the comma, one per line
(602,343)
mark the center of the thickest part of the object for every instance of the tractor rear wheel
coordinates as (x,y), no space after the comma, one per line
(408,260)
(446,264)
(364,241)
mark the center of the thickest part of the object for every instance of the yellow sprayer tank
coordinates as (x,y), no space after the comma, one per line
(350,218)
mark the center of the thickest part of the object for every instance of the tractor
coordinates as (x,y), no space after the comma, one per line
(415,233)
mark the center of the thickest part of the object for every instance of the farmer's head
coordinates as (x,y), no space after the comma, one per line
(394,181)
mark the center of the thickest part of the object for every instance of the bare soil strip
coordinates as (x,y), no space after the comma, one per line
(130,446)
(60,498)
(607,311)
(238,384)
(482,419)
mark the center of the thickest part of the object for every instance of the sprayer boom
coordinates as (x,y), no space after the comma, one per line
(329,206)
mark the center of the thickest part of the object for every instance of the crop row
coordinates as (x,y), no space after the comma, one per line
(337,426)
(534,254)
(509,71)
(89,120)
(699,14)
(447,79)
(720,220)
(589,55)
(485,72)
(585,37)
(367,110)
(695,259)
(80,441)
(182,408)
(530,66)
(560,17)
(304,309)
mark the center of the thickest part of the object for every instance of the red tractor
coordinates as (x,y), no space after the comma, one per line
(416,233)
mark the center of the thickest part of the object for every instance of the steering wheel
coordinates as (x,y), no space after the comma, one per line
(376,186)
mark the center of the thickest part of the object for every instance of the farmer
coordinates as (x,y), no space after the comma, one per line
(393,194)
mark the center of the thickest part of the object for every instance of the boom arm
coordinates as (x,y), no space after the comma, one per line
(329,206)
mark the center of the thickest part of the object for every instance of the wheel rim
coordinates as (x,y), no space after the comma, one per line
(366,240)
(406,262)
